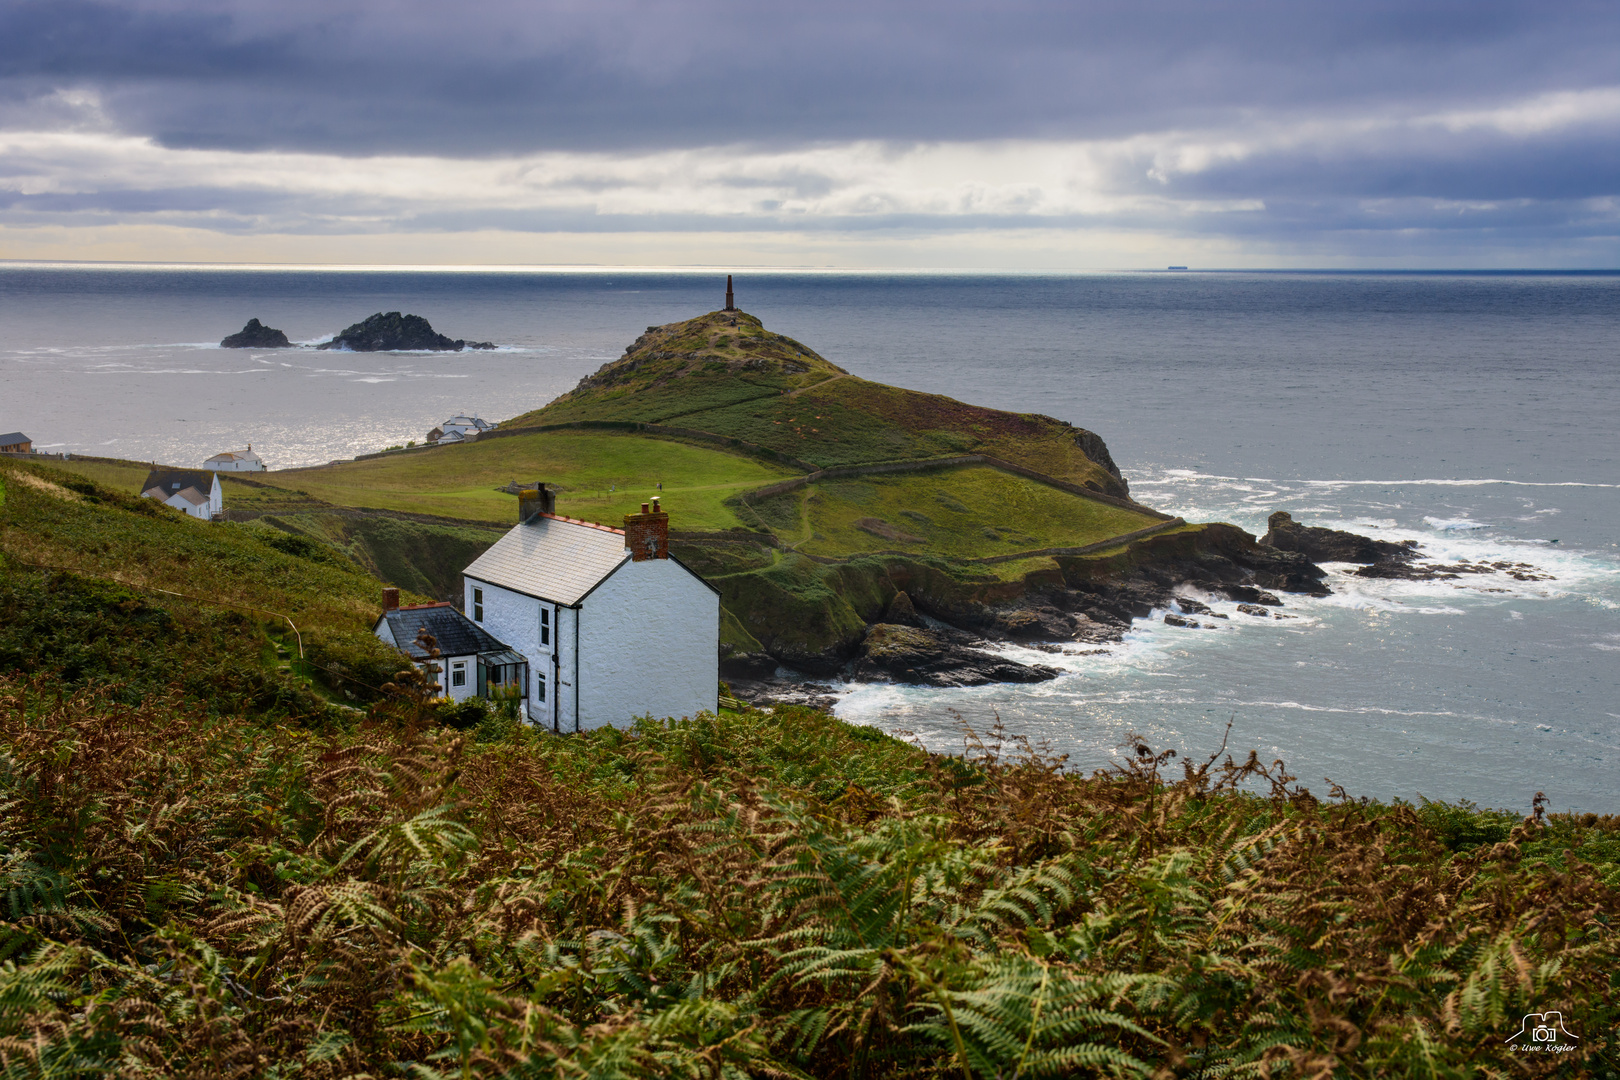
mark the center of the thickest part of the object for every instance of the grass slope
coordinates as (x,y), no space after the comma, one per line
(971,512)
(118,548)
(748,383)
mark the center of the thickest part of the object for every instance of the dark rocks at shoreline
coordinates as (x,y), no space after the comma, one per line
(393,332)
(1334,545)
(935,636)
(907,654)
(902,612)
(256,335)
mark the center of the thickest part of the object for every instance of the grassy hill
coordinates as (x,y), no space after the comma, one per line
(725,373)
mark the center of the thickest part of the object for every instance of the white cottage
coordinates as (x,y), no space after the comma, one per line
(192,490)
(236,461)
(612,626)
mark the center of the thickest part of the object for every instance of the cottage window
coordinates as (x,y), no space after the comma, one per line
(458,673)
(478,605)
(545,629)
(540,686)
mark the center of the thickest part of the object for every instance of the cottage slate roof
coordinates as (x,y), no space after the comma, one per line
(12,438)
(455,634)
(170,481)
(554,558)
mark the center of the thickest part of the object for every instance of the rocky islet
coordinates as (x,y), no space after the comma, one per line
(389,331)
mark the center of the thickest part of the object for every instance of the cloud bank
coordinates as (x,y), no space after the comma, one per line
(1036,134)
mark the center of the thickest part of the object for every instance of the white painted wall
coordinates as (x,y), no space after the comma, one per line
(514,618)
(649,644)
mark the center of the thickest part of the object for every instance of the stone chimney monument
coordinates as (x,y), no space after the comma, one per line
(731,304)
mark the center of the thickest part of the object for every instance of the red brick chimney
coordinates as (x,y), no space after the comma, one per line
(646,535)
(390,598)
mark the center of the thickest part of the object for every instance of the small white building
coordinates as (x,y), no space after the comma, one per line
(470,663)
(612,626)
(468,427)
(194,491)
(235,461)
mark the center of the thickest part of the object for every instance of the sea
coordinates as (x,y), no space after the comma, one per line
(1474,413)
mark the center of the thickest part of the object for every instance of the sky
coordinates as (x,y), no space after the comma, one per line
(1020,134)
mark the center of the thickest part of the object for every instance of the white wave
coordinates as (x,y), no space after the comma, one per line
(1171,475)
(1454,482)
(1457,524)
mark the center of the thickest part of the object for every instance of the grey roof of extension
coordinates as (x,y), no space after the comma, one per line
(12,438)
(554,558)
(453,632)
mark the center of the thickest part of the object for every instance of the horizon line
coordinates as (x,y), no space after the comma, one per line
(777,268)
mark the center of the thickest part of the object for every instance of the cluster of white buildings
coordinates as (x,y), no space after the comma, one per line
(583,624)
(459,429)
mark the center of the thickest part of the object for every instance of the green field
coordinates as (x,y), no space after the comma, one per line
(462,481)
(969,512)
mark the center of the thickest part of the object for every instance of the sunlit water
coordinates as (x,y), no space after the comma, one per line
(1473,413)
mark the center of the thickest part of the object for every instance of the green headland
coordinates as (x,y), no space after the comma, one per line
(809,495)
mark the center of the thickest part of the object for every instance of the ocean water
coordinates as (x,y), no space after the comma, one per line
(1474,413)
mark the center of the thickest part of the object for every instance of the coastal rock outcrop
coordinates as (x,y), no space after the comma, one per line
(393,332)
(1331,545)
(907,654)
(256,335)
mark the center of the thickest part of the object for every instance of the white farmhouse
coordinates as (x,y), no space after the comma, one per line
(235,461)
(470,663)
(612,626)
(195,491)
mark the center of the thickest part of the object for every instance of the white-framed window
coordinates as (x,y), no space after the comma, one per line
(545,627)
(478,605)
(540,686)
(458,673)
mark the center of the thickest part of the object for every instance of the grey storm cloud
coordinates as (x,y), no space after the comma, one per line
(503,77)
(1257,119)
